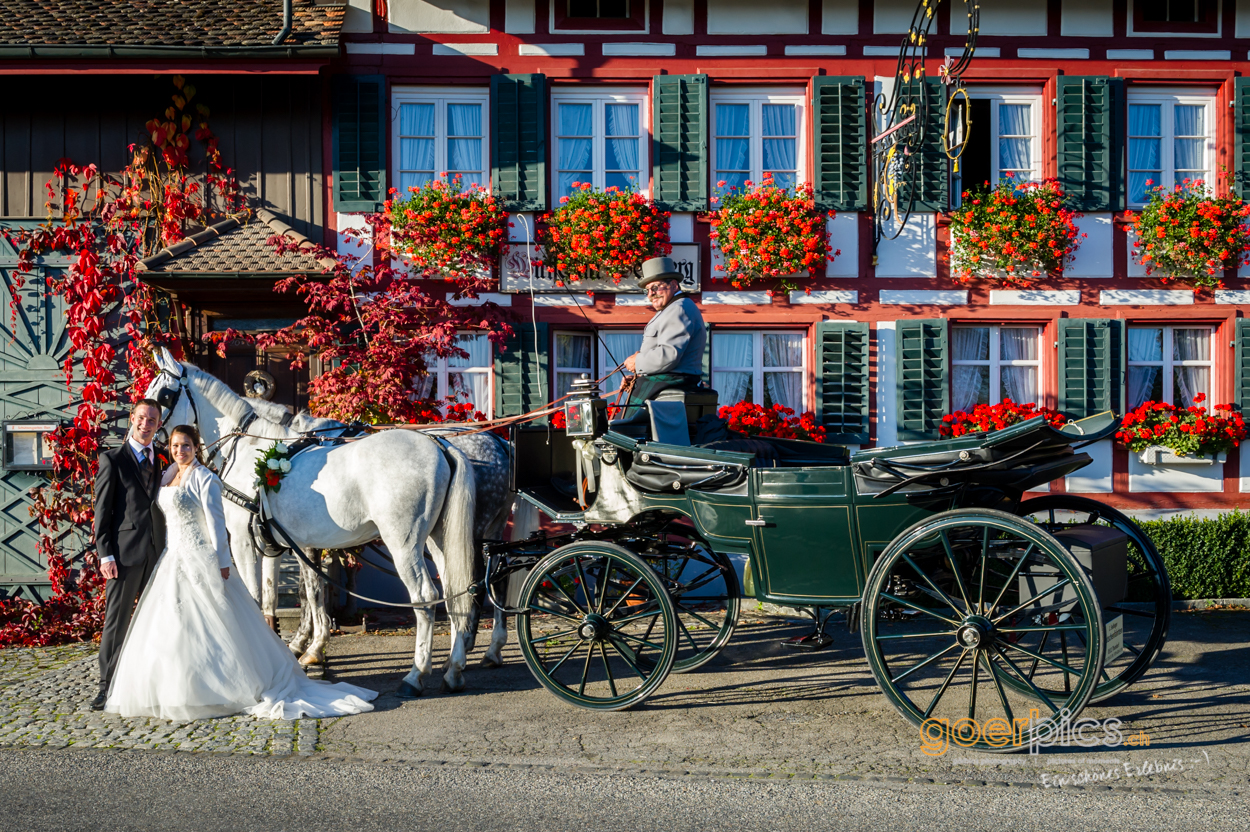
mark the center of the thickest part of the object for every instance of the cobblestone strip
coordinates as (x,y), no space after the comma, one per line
(44,697)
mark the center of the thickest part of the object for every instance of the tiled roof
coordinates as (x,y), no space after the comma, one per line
(209,23)
(230,246)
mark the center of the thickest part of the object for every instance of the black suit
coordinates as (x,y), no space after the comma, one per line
(130,529)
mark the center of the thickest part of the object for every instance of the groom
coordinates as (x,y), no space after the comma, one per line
(129,530)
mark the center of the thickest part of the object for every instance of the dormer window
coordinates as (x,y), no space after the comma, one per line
(599,15)
(603,9)
(1176,16)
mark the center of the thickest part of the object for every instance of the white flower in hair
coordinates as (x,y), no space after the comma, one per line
(285,465)
(272,464)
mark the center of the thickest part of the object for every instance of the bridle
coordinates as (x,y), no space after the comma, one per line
(168,397)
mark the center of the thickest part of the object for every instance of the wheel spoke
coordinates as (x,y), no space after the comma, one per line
(1041,629)
(694,614)
(919,608)
(945,684)
(972,691)
(1122,611)
(1051,590)
(556,583)
(681,628)
(700,580)
(624,654)
(581,690)
(959,581)
(557,613)
(1134,650)
(628,637)
(603,654)
(924,663)
(925,577)
(998,684)
(946,633)
(590,600)
(541,639)
(985,556)
(1011,577)
(1063,642)
(651,613)
(624,595)
(1040,658)
(1040,693)
(551,671)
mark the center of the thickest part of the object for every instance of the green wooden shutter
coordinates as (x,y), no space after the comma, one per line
(1091,366)
(679,125)
(839,142)
(707,358)
(359,142)
(518,141)
(1241,128)
(932,179)
(842,381)
(521,378)
(922,367)
(1090,141)
(1241,382)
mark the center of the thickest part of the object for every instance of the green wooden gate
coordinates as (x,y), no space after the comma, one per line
(32,348)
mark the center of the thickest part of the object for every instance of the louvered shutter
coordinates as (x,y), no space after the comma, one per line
(1090,141)
(1241,381)
(1091,366)
(932,176)
(922,366)
(842,381)
(518,141)
(839,142)
(1241,128)
(521,377)
(679,126)
(359,123)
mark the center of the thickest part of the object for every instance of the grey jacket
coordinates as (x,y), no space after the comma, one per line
(674,340)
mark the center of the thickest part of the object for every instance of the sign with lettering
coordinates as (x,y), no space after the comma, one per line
(518,272)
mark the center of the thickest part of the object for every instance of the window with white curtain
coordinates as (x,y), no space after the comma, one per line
(1004,139)
(468,379)
(601,139)
(1169,364)
(765,368)
(437,131)
(614,347)
(1171,138)
(575,357)
(757,133)
(993,363)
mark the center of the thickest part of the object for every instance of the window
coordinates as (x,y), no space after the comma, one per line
(597,8)
(1176,16)
(599,15)
(1003,140)
(992,363)
(576,352)
(757,134)
(468,379)
(1170,139)
(600,139)
(1169,364)
(761,367)
(440,131)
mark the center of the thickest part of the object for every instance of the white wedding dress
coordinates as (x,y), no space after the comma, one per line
(198,645)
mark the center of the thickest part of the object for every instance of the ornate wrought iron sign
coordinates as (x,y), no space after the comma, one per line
(903,120)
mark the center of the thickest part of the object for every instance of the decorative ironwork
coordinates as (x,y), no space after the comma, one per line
(903,118)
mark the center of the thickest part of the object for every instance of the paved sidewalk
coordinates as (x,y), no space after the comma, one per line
(758,710)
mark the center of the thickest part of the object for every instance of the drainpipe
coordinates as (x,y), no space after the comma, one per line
(286,22)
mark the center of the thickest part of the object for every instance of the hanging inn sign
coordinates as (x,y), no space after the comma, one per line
(523,271)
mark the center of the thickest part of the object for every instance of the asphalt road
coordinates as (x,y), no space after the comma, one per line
(88,790)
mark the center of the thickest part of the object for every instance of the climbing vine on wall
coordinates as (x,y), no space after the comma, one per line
(103,225)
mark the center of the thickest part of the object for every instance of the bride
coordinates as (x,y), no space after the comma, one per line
(198,645)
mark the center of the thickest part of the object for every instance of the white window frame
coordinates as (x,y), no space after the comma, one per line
(1169,98)
(558,370)
(756,98)
(440,369)
(440,97)
(605,361)
(1168,364)
(598,99)
(997,96)
(758,371)
(995,362)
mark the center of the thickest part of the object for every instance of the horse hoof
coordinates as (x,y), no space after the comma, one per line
(407,691)
(311,659)
(448,688)
(272,622)
(490,663)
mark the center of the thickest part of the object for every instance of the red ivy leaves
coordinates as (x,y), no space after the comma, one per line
(1188,234)
(779,420)
(1191,431)
(605,233)
(765,231)
(985,418)
(1014,233)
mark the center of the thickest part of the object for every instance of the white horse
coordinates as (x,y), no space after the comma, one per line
(401,486)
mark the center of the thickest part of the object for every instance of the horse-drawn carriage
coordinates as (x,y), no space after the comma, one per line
(976,604)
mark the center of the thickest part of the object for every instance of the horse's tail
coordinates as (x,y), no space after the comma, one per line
(455,531)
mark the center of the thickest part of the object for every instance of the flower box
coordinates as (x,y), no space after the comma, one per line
(1163,455)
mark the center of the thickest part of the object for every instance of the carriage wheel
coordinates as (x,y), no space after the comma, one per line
(598,629)
(1147,610)
(946,611)
(703,586)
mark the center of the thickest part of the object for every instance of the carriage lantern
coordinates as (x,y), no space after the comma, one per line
(26,445)
(585,414)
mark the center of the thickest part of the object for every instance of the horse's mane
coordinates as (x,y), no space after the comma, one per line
(238,407)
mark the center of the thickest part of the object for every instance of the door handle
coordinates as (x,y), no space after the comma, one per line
(762,521)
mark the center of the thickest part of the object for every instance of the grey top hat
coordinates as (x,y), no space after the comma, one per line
(658,268)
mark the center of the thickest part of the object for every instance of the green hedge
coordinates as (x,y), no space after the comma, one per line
(1205,558)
